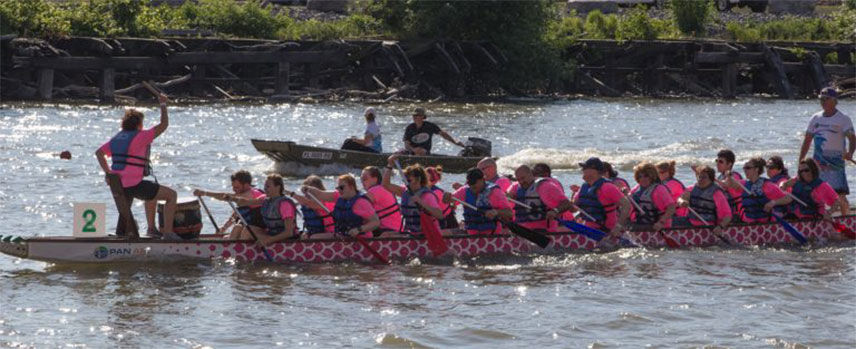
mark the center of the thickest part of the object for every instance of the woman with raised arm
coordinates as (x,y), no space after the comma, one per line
(416,196)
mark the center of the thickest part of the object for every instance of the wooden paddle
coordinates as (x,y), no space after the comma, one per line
(535,237)
(247,226)
(210,216)
(839,227)
(435,239)
(787,226)
(359,239)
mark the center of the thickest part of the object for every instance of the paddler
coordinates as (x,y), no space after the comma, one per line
(652,197)
(129,152)
(384,203)
(777,171)
(488,198)
(666,176)
(542,170)
(762,196)
(725,159)
(435,174)
(612,175)
(814,192)
(605,207)
(316,217)
(830,130)
(278,213)
(545,200)
(708,202)
(417,135)
(371,141)
(242,188)
(488,167)
(353,212)
(416,197)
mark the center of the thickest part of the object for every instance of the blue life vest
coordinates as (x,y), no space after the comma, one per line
(475,219)
(247,211)
(775,179)
(802,191)
(755,199)
(537,211)
(344,217)
(377,143)
(410,211)
(313,223)
(589,202)
(119,145)
(643,198)
(701,201)
(271,215)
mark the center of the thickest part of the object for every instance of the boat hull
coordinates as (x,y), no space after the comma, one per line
(286,152)
(112,249)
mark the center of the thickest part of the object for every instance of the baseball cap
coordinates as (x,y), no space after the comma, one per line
(828,92)
(419,111)
(592,163)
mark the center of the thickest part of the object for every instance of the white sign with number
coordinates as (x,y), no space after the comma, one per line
(89,219)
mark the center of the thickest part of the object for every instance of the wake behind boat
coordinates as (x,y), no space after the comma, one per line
(113,249)
(305,155)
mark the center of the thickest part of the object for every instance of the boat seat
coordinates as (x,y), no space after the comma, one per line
(127,225)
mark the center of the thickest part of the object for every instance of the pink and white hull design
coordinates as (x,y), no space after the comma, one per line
(112,249)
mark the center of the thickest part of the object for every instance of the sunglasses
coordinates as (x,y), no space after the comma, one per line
(804,170)
(340,188)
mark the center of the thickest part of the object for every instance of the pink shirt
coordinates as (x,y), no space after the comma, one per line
(496,199)
(286,210)
(551,195)
(661,198)
(567,215)
(722,208)
(382,200)
(676,188)
(823,195)
(363,208)
(133,175)
(736,192)
(502,182)
(607,195)
(771,191)
(443,206)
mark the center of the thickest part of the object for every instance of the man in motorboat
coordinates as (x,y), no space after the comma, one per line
(418,135)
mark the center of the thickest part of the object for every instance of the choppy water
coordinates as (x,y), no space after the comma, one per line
(629,298)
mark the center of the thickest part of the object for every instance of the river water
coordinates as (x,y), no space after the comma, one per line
(629,298)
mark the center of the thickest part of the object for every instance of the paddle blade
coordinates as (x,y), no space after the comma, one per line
(669,241)
(375,253)
(537,238)
(844,230)
(435,240)
(589,232)
(790,229)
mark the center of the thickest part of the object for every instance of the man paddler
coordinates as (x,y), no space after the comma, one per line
(129,152)
(418,135)
(604,206)
(544,200)
(488,167)
(830,130)
(489,200)
(242,188)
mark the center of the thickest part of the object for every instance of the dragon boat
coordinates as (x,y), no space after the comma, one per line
(290,152)
(115,249)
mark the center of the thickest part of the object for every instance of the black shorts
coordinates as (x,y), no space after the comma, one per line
(145,190)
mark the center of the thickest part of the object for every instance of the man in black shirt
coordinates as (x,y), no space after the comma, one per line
(417,135)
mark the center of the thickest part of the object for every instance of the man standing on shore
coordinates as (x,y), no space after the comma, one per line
(830,130)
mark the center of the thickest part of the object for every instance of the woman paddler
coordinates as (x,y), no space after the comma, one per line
(761,194)
(489,200)
(278,213)
(604,206)
(416,197)
(776,170)
(435,174)
(353,212)
(612,175)
(384,203)
(316,218)
(812,191)
(653,197)
(708,200)
(666,173)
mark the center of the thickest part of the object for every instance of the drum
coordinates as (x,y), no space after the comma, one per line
(187,222)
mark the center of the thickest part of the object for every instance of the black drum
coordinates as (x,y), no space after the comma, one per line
(187,222)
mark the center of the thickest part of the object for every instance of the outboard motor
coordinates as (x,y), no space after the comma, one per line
(476,147)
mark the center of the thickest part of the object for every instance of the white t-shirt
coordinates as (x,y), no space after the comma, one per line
(373,129)
(830,132)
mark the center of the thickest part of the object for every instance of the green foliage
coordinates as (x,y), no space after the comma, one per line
(738,32)
(831,58)
(636,25)
(799,52)
(692,16)
(850,4)
(32,18)
(248,19)
(600,26)
(562,33)
(839,27)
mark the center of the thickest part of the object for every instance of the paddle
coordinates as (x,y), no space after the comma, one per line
(211,217)
(435,240)
(535,237)
(839,227)
(359,239)
(590,217)
(589,232)
(247,226)
(787,226)
(706,223)
(669,241)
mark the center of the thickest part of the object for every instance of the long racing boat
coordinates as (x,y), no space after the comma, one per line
(114,249)
(290,152)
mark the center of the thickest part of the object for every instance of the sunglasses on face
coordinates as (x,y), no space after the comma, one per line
(804,170)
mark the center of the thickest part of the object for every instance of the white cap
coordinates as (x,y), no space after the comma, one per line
(370,110)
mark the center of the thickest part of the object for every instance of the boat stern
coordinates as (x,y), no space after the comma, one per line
(13,246)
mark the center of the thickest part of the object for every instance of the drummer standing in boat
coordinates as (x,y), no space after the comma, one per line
(417,135)
(129,152)
(830,130)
